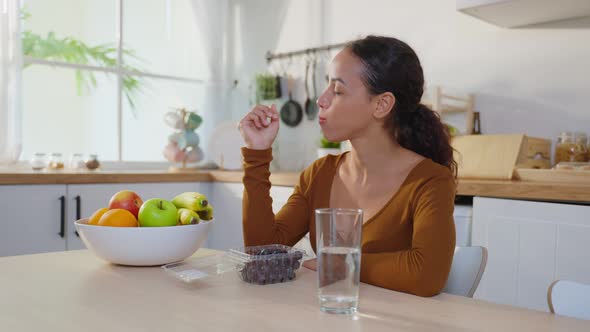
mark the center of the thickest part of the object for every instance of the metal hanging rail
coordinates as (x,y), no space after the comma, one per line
(273,56)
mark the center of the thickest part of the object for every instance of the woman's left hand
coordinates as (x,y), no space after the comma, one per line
(311,264)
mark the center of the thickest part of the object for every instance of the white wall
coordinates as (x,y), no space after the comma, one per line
(533,80)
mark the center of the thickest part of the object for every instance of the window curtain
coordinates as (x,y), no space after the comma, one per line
(10,82)
(217,21)
(212,18)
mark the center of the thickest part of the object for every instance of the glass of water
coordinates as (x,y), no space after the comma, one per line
(338,244)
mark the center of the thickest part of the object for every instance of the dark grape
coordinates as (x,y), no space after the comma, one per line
(279,266)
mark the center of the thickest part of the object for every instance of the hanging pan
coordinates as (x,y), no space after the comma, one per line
(291,111)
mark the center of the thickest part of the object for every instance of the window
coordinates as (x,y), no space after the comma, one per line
(100,75)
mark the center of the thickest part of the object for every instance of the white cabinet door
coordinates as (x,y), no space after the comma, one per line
(31,219)
(530,244)
(226,231)
(92,197)
(280,195)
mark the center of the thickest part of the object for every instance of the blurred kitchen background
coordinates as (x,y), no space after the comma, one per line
(204,55)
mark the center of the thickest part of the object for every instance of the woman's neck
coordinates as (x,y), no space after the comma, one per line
(374,155)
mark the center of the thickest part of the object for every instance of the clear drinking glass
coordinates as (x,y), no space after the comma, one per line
(338,236)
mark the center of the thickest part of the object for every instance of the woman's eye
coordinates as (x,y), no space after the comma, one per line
(337,92)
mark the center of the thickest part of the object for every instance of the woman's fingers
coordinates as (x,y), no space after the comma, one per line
(270,111)
(254,119)
(262,117)
(311,264)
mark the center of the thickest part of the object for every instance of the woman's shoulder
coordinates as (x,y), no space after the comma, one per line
(428,173)
(321,168)
(428,168)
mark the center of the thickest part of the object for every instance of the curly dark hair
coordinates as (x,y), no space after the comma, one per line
(390,65)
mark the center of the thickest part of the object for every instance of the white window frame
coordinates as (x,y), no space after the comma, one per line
(118,70)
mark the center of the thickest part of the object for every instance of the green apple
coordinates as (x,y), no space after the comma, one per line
(157,212)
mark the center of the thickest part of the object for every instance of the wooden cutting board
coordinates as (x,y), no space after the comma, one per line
(553,175)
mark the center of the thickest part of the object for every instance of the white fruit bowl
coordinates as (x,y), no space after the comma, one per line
(143,246)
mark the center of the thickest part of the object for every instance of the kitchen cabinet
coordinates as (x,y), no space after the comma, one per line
(517,13)
(33,219)
(33,213)
(530,244)
(226,232)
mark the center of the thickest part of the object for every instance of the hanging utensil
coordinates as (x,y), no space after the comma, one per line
(291,112)
(312,109)
(307,105)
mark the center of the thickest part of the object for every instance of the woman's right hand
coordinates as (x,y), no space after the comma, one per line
(259,127)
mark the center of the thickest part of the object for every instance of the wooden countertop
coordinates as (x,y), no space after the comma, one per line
(75,291)
(544,191)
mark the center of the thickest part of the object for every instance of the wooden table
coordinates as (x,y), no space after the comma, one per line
(75,291)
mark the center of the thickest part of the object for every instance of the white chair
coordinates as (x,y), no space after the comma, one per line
(569,298)
(466,270)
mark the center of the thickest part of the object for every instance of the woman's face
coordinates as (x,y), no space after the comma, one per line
(346,106)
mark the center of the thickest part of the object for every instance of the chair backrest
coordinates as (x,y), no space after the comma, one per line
(466,270)
(569,298)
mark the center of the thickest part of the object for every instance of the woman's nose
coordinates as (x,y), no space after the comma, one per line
(323,101)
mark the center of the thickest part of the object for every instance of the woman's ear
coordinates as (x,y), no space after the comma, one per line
(384,104)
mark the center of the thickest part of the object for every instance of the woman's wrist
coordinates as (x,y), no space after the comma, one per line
(257,147)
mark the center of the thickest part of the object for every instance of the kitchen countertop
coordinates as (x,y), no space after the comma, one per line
(75,291)
(544,191)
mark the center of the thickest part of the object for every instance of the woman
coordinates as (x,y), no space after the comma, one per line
(400,169)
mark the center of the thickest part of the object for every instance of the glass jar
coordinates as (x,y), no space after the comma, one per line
(565,147)
(77,162)
(56,162)
(92,162)
(38,161)
(581,152)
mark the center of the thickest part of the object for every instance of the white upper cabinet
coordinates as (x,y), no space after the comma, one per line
(517,13)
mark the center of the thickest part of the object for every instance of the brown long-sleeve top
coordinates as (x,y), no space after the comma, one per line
(407,246)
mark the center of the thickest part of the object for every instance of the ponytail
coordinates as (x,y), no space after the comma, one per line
(422,131)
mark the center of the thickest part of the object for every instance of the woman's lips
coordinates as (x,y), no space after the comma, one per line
(322,120)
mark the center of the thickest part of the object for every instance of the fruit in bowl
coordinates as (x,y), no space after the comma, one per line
(118,218)
(127,200)
(158,212)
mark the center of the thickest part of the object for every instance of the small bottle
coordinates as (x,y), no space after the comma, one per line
(581,152)
(92,162)
(565,148)
(476,124)
(56,162)
(77,162)
(38,161)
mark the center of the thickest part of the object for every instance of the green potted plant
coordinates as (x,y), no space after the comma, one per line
(266,87)
(326,147)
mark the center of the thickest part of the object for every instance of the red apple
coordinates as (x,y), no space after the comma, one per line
(128,200)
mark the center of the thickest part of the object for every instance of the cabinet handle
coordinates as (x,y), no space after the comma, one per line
(78,211)
(62,226)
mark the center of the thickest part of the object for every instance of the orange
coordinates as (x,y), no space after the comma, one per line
(118,218)
(95,217)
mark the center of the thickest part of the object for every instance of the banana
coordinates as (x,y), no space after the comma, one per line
(187,217)
(191,200)
(207,213)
